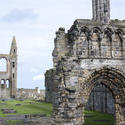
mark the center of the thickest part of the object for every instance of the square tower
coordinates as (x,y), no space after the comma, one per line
(101,11)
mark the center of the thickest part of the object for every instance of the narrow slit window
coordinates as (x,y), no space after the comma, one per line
(14,51)
(13,64)
(13,75)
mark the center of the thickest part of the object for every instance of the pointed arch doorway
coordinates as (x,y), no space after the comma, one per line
(114,80)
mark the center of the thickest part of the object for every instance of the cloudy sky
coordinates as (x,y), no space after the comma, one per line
(34,23)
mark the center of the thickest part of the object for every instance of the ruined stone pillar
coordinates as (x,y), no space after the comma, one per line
(67,102)
(68,112)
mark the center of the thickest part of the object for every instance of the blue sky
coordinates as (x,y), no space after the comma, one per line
(34,23)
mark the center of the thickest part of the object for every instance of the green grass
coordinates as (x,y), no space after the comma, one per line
(14,122)
(45,108)
(26,107)
(93,116)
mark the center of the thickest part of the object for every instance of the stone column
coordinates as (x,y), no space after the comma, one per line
(68,112)
(120,112)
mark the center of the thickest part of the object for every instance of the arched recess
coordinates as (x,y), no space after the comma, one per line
(3,65)
(106,44)
(87,41)
(82,44)
(95,50)
(114,80)
(117,44)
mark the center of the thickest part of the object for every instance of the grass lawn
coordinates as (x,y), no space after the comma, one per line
(32,107)
(97,118)
(27,107)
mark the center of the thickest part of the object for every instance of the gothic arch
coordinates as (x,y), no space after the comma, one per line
(108,32)
(95,48)
(96,30)
(86,31)
(115,76)
(112,78)
(117,43)
(120,32)
(73,33)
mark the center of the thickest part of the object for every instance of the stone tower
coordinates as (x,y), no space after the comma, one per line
(8,78)
(13,54)
(101,10)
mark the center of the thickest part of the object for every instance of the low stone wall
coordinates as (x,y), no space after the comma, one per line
(31,94)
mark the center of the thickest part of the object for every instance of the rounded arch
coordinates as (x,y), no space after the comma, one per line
(3,64)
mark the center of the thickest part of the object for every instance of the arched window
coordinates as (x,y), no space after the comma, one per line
(3,65)
(8,83)
(2,81)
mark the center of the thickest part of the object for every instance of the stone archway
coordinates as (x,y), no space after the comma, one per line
(113,79)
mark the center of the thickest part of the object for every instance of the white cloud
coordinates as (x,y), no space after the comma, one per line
(38,77)
(16,15)
(34,70)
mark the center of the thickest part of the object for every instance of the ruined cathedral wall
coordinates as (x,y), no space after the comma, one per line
(31,94)
(8,78)
(87,40)
(86,47)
